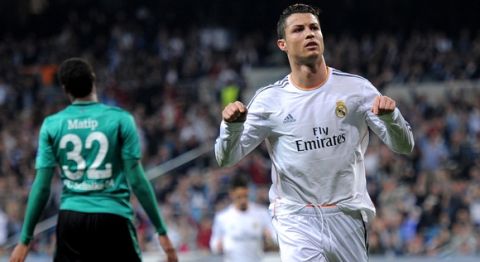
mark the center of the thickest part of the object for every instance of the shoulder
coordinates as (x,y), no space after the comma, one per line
(358,82)
(223,214)
(275,86)
(268,92)
(50,120)
(348,77)
(117,113)
(115,109)
(257,208)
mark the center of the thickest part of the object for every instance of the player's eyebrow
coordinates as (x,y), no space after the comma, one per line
(295,26)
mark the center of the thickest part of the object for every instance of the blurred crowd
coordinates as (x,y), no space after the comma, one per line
(175,82)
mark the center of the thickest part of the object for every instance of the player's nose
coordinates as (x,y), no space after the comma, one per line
(309,34)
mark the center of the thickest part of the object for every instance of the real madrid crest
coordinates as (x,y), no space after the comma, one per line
(341,109)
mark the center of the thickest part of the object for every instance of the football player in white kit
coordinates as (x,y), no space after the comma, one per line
(315,122)
(243,229)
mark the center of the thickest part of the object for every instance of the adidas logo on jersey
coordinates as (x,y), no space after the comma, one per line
(289,119)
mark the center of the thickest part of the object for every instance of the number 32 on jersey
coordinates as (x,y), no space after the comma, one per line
(92,171)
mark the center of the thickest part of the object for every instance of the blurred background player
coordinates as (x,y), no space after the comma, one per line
(316,123)
(98,152)
(244,229)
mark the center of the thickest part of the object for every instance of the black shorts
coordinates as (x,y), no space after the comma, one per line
(95,237)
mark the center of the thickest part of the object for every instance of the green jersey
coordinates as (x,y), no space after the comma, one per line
(89,141)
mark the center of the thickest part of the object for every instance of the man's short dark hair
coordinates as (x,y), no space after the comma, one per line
(293,9)
(238,181)
(77,76)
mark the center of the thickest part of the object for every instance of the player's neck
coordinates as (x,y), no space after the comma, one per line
(309,76)
(89,98)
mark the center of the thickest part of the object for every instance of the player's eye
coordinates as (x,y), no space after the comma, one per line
(297,29)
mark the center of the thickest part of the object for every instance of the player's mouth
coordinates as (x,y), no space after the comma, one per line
(311,45)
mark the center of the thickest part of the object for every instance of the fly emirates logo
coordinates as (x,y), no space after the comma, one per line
(322,140)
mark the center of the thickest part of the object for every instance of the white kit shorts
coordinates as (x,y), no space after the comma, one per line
(317,233)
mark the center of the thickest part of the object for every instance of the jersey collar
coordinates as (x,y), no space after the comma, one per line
(82,103)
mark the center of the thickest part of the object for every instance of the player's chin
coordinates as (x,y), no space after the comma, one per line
(310,57)
(313,54)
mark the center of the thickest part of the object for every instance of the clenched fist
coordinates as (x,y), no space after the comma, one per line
(383,105)
(235,112)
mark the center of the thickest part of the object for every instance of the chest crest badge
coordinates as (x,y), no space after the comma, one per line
(341,109)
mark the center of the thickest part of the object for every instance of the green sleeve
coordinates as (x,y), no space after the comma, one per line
(131,141)
(144,192)
(37,200)
(45,156)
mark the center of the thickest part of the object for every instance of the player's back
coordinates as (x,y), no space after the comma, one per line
(89,141)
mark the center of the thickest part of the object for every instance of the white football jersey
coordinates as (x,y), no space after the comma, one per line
(241,233)
(316,139)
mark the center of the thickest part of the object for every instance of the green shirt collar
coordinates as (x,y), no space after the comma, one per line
(81,103)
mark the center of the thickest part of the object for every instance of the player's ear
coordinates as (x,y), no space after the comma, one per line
(282,44)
